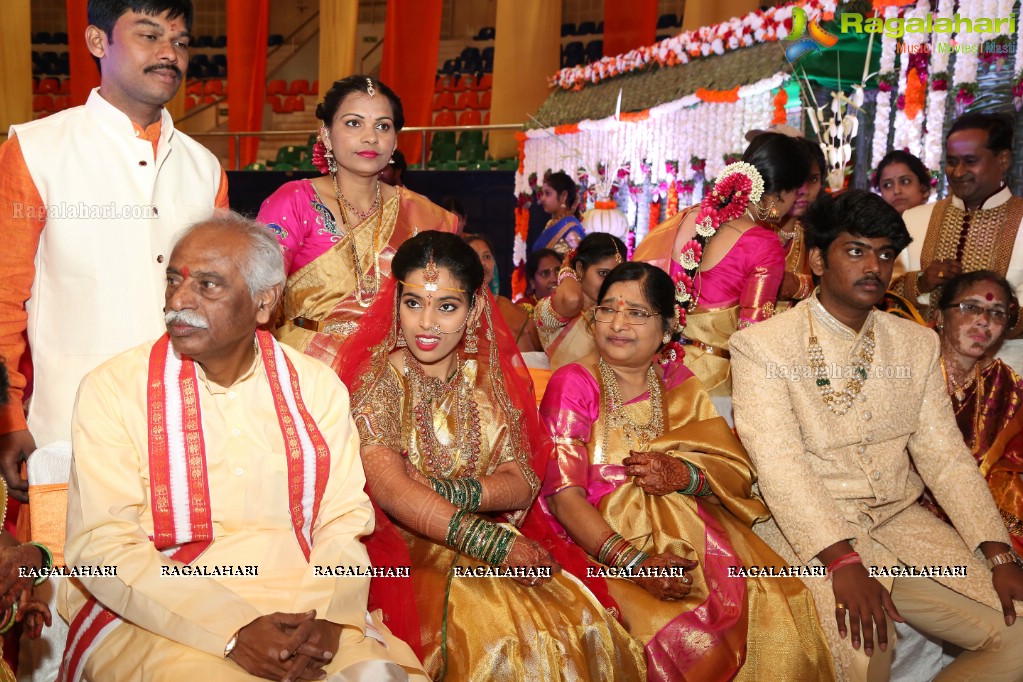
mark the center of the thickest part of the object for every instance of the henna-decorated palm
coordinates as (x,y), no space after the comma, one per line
(526,553)
(667,589)
(657,473)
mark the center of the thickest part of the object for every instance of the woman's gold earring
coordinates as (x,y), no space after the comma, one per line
(401,341)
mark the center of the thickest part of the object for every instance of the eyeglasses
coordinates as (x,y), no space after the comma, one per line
(973,311)
(633,316)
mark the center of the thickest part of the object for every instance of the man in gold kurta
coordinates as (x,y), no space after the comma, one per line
(263,607)
(832,398)
(977,227)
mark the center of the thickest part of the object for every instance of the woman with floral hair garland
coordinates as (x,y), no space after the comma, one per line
(340,231)
(726,261)
(454,452)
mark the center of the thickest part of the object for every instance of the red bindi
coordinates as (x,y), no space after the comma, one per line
(185,273)
(989,296)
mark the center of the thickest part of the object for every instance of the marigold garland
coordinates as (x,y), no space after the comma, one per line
(780,100)
(672,208)
(518,279)
(655,215)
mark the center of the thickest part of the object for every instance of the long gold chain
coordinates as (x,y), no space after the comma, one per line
(839,402)
(637,434)
(365,283)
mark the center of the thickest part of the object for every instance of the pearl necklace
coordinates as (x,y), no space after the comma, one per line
(839,402)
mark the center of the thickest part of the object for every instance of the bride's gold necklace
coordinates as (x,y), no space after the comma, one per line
(637,434)
(366,284)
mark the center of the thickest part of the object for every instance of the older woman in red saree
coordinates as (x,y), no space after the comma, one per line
(987,395)
(652,484)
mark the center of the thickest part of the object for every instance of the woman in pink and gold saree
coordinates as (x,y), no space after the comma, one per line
(339,232)
(453,452)
(728,255)
(654,486)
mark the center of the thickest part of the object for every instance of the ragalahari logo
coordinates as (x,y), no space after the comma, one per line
(802,46)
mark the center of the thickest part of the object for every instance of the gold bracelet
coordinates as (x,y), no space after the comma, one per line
(1003,558)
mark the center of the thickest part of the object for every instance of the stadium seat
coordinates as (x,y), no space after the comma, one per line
(470,117)
(299,86)
(314,88)
(485,100)
(665,21)
(214,87)
(277,87)
(59,38)
(43,103)
(586,28)
(255,166)
(65,86)
(567,30)
(444,101)
(444,118)
(484,82)
(442,153)
(193,87)
(63,102)
(209,99)
(49,86)
(203,41)
(486,119)
(466,82)
(277,104)
(274,40)
(473,153)
(220,42)
(594,50)
(41,38)
(296,103)
(290,155)
(468,100)
(191,102)
(469,138)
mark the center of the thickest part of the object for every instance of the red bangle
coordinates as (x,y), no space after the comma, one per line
(844,560)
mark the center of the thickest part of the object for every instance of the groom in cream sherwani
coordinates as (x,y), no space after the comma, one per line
(834,400)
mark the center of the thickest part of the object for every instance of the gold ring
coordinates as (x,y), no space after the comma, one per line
(941,274)
(840,605)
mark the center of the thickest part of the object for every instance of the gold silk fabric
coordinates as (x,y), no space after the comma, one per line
(777,627)
(564,345)
(492,628)
(315,291)
(713,328)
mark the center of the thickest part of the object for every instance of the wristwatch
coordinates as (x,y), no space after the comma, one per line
(231,643)
(1003,558)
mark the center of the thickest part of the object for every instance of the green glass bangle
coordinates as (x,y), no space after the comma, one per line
(47,561)
(10,619)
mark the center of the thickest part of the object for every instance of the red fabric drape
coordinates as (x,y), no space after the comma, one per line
(84,74)
(248,23)
(409,66)
(628,25)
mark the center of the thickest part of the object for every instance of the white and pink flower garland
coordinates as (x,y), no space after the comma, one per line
(937,94)
(765,26)
(739,185)
(886,81)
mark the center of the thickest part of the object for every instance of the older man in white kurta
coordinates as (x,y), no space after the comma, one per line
(219,474)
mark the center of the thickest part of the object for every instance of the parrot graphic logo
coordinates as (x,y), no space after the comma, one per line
(801,46)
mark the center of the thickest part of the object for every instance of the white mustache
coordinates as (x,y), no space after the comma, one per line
(187,317)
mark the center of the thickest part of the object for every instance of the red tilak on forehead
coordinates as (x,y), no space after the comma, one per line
(185,273)
(989,296)
(621,302)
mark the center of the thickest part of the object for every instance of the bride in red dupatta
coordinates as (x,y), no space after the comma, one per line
(454,456)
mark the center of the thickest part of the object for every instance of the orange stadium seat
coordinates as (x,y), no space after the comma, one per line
(45,103)
(299,86)
(486,119)
(191,102)
(444,100)
(194,88)
(486,81)
(296,103)
(470,117)
(468,100)
(49,86)
(277,87)
(444,118)
(485,100)
(214,86)
(466,82)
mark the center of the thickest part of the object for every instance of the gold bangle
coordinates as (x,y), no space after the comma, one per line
(1003,558)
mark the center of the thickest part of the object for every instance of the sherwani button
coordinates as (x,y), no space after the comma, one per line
(797,549)
(143,163)
(860,450)
(876,475)
(869,438)
(159,259)
(867,415)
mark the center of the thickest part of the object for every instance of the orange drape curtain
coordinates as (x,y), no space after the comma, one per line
(248,25)
(84,73)
(628,25)
(15,55)
(409,66)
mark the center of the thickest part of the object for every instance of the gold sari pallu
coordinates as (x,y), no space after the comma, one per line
(711,329)
(727,627)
